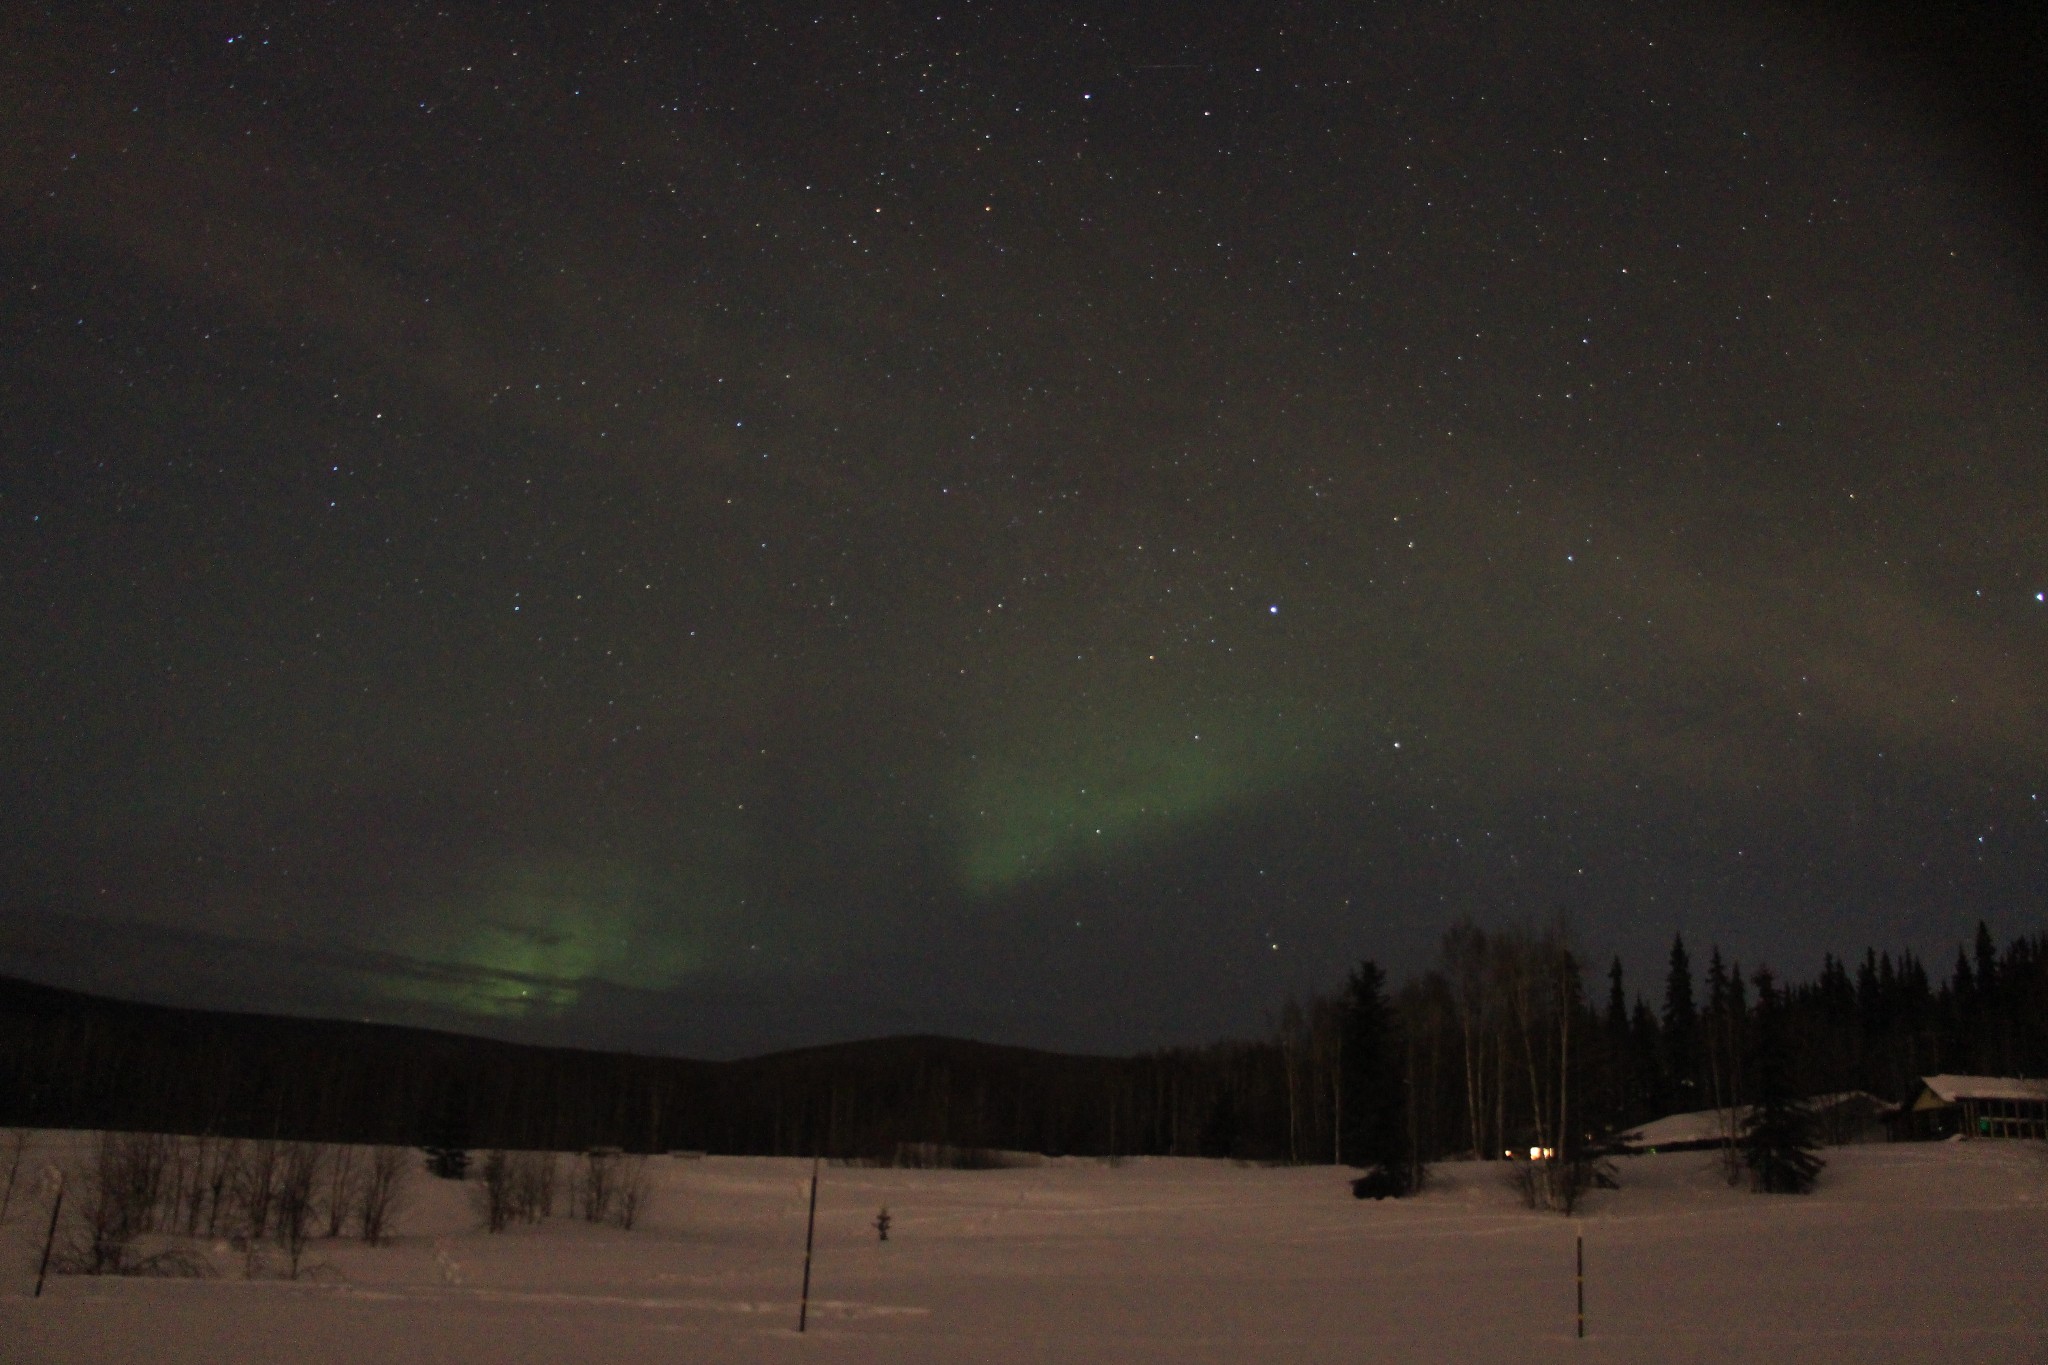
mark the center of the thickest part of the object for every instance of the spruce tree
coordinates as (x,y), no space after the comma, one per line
(1681,1030)
(1646,1060)
(448,1135)
(1777,1137)
(1987,962)
(1375,1112)
(1723,1022)
(1621,1080)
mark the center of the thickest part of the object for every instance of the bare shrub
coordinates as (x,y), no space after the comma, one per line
(255,1189)
(534,1177)
(380,1194)
(1560,1184)
(119,1200)
(596,1189)
(298,1177)
(492,1193)
(18,1142)
(178,1175)
(630,1191)
(516,1187)
(344,1174)
(220,1176)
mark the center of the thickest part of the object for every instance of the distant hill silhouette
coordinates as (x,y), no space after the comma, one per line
(71,1060)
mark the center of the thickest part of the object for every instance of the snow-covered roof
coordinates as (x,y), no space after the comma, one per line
(1704,1125)
(1712,1125)
(1951,1089)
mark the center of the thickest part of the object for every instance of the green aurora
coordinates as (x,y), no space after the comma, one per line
(1085,795)
(530,936)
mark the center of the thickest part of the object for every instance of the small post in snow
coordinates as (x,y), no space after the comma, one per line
(1581,1230)
(803,1311)
(50,1237)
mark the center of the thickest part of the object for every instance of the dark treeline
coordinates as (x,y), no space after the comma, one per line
(76,1061)
(1499,1045)
(1502,1049)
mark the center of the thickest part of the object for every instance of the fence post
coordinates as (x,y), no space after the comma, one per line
(803,1311)
(50,1237)
(1582,1281)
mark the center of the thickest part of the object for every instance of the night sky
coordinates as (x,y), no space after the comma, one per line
(717,527)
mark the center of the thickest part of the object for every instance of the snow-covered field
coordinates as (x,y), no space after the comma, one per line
(1907,1253)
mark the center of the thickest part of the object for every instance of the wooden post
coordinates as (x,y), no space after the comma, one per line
(1582,1283)
(50,1237)
(1337,1101)
(803,1311)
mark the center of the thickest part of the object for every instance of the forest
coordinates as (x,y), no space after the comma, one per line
(1498,1045)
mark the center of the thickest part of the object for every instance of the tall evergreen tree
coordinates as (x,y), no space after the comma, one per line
(1717,983)
(1646,1059)
(1723,1028)
(1681,1029)
(1987,962)
(1777,1137)
(1616,1049)
(1375,1106)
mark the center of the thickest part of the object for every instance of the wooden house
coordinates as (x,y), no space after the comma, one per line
(1980,1106)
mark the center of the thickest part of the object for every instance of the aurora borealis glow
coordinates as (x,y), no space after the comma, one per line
(709,528)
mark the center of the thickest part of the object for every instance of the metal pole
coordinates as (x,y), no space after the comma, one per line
(803,1311)
(50,1237)
(1582,1283)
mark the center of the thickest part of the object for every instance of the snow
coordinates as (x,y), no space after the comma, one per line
(1715,1125)
(1951,1089)
(1910,1252)
(1703,1125)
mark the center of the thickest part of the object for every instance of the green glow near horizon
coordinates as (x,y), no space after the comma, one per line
(1036,808)
(532,936)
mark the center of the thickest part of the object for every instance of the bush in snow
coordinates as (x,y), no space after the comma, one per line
(596,1180)
(492,1194)
(611,1187)
(630,1196)
(515,1187)
(298,1179)
(380,1193)
(120,1199)
(533,1185)
(17,1149)
(343,1176)
(1373,1114)
(1777,1137)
